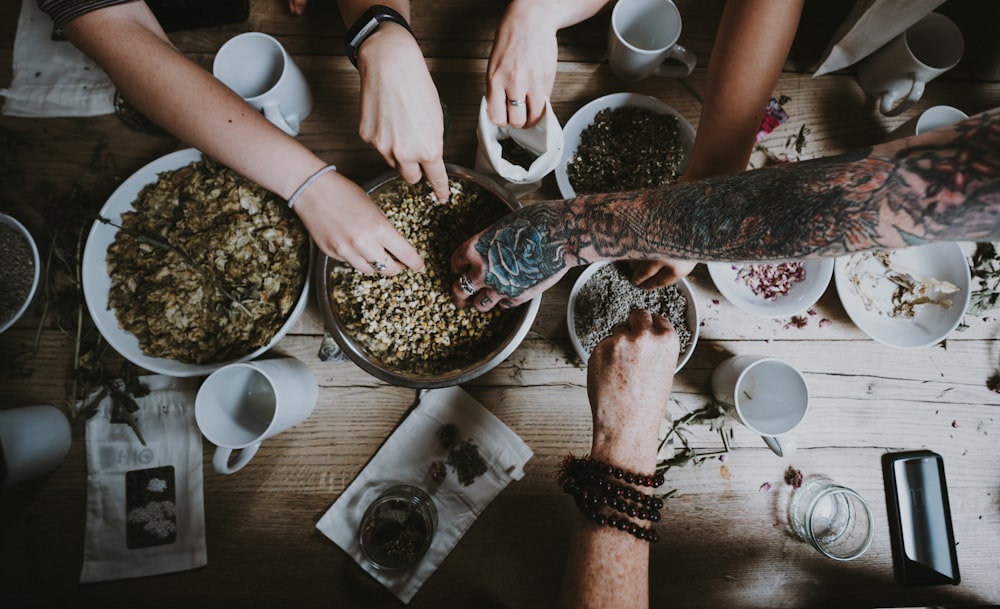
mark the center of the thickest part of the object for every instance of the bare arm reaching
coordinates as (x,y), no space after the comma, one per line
(939,186)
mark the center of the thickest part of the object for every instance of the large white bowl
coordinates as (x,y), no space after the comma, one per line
(585,116)
(97,281)
(691,318)
(800,296)
(932,323)
(11,221)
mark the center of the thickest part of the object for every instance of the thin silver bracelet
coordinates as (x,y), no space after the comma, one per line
(301,189)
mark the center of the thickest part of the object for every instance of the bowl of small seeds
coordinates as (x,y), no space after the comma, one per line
(622,142)
(20,270)
(603,297)
(405,329)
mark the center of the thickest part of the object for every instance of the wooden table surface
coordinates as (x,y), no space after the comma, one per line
(726,542)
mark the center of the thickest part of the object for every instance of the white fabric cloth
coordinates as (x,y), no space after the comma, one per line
(405,458)
(50,77)
(869,26)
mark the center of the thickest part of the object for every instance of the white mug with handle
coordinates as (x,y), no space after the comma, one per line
(642,41)
(767,395)
(896,74)
(261,71)
(241,405)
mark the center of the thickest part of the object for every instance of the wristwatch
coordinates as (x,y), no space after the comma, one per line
(366,25)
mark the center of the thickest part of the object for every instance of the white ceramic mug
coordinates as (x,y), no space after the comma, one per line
(261,71)
(767,395)
(642,41)
(899,71)
(33,441)
(241,405)
(930,119)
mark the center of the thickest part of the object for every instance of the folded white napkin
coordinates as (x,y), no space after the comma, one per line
(50,77)
(406,457)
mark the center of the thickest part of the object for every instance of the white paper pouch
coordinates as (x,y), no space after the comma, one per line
(519,157)
(145,506)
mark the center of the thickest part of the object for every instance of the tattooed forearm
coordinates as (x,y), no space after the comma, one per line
(887,197)
(944,185)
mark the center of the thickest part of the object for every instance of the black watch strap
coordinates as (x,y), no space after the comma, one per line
(366,25)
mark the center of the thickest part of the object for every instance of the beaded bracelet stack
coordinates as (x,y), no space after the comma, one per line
(596,485)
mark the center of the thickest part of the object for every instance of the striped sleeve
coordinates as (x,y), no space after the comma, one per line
(63,11)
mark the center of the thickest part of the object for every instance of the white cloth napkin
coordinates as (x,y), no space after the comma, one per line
(405,458)
(53,78)
(869,26)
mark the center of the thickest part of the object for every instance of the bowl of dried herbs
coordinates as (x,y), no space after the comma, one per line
(20,270)
(190,267)
(405,330)
(622,142)
(603,297)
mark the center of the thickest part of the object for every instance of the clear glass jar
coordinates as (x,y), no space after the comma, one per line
(398,527)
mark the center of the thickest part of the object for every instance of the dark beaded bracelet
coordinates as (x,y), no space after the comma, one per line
(586,463)
(612,489)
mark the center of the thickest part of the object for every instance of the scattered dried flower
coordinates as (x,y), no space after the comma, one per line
(769,281)
(438,471)
(793,477)
(765,487)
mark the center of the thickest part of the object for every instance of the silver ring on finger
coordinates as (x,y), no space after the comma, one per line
(516,102)
(379,265)
(485,300)
(466,285)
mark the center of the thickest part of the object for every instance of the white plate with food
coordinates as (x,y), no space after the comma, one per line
(585,116)
(610,299)
(97,280)
(772,289)
(909,298)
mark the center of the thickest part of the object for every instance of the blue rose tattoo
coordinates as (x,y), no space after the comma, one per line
(519,254)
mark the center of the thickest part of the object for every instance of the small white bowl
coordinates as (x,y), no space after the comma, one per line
(585,116)
(801,295)
(10,221)
(692,317)
(931,324)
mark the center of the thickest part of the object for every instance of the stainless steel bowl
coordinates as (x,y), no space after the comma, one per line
(363,358)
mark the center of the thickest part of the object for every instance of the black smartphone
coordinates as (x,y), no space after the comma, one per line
(180,15)
(920,531)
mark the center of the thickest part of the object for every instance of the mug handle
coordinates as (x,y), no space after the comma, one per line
(220,460)
(783,447)
(683,55)
(889,98)
(273,114)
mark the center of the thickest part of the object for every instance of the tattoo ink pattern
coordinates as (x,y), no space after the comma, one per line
(945,186)
(519,252)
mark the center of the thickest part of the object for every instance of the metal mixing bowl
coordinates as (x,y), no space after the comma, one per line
(362,357)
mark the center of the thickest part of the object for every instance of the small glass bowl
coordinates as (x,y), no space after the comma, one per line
(398,527)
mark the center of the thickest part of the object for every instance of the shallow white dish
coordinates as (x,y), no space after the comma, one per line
(11,221)
(801,295)
(585,116)
(692,317)
(931,324)
(97,282)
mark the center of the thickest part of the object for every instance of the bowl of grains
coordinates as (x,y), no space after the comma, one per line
(907,298)
(603,296)
(191,267)
(20,270)
(405,330)
(772,289)
(622,142)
